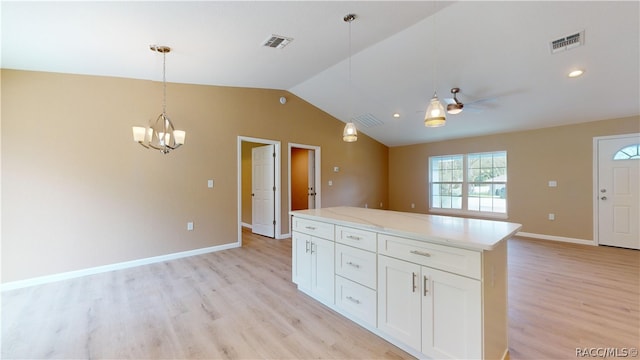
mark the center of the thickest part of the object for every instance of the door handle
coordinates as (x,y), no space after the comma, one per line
(603,198)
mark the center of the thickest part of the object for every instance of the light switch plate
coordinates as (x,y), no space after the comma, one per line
(553,183)
(210,184)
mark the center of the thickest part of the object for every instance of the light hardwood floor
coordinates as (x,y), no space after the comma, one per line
(240,303)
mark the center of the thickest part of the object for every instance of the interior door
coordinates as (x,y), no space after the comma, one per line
(311,184)
(619,191)
(263,190)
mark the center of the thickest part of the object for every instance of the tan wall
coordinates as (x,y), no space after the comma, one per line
(77,192)
(534,157)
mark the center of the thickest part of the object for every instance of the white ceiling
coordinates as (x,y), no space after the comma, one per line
(495,51)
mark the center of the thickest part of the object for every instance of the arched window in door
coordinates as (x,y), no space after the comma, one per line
(628,153)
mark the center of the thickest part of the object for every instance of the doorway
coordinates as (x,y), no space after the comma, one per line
(304,177)
(267,168)
(617,190)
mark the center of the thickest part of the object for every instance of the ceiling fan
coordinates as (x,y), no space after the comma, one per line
(455,106)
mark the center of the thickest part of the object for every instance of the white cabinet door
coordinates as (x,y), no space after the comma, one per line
(451,315)
(301,261)
(322,269)
(399,300)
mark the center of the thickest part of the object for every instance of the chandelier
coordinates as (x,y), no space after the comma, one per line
(160,134)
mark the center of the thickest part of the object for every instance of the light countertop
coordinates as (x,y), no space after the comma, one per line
(467,233)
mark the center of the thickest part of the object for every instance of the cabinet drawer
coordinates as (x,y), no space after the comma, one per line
(455,260)
(361,239)
(312,227)
(356,264)
(357,300)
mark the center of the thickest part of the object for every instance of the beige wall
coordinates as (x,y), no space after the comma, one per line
(77,192)
(534,157)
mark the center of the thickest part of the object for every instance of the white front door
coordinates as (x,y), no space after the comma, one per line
(618,191)
(263,190)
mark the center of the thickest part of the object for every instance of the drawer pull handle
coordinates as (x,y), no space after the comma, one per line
(353,237)
(353,300)
(310,227)
(426,288)
(421,253)
(354,265)
(414,281)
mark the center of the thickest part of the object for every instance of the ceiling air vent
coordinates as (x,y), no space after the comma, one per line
(566,43)
(367,120)
(277,41)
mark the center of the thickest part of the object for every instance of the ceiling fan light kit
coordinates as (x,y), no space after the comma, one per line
(456,107)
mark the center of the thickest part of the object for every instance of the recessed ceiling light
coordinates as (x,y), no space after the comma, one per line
(575,73)
(396,115)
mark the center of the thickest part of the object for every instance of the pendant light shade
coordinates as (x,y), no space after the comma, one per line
(350,133)
(160,134)
(435,115)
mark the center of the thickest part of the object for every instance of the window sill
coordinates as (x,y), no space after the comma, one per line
(467,213)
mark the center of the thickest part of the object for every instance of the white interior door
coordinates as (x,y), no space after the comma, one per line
(263,190)
(619,191)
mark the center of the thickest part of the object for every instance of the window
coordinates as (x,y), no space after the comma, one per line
(469,183)
(628,153)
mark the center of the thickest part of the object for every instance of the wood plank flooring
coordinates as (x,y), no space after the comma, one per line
(241,304)
(567,296)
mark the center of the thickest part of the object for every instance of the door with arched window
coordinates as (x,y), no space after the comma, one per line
(618,191)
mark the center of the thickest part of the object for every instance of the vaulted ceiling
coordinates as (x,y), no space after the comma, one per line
(497,53)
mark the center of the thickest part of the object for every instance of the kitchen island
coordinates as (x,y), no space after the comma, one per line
(435,286)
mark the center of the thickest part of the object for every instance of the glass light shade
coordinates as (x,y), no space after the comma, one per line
(179,135)
(350,133)
(435,115)
(139,133)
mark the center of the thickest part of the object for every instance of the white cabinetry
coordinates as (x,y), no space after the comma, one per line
(356,274)
(434,286)
(313,259)
(436,311)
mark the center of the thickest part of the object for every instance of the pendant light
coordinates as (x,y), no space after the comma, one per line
(160,134)
(435,115)
(350,133)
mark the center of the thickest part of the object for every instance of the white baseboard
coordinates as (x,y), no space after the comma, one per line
(13,285)
(284,236)
(556,238)
(248,226)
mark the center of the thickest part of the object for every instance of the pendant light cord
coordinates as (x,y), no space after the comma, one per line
(164,83)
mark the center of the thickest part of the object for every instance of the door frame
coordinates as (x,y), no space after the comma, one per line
(596,176)
(278,182)
(316,151)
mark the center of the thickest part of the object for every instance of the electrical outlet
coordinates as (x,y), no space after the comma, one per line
(190,226)
(210,184)
(413,206)
(552,216)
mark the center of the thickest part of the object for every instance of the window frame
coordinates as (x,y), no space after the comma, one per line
(465,185)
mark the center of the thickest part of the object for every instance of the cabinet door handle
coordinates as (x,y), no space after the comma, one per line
(421,253)
(307,247)
(354,265)
(353,300)
(426,286)
(414,281)
(353,237)
(312,247)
